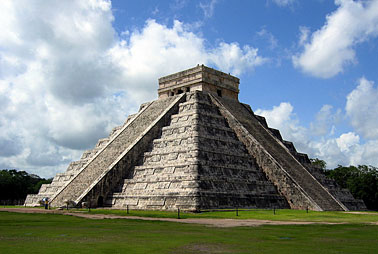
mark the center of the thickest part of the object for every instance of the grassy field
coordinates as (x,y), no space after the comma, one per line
(49,233)
(259,214)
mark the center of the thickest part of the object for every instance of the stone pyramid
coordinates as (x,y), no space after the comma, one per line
(196,147)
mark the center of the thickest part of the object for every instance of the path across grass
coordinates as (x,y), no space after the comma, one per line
(257,214)
(285,215)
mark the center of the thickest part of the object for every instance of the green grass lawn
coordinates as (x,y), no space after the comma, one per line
(260,214)
(49,233)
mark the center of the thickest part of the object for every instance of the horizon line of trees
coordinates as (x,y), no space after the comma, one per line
(362,182)
(16,185)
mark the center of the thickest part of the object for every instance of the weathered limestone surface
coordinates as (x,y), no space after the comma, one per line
(61,179)
(200,78)
(342,195)
(197,163)
(292,179)
(196,147)
(106,160)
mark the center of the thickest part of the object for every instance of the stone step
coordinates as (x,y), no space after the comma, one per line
(158,202)
(102,142)
(198,117)
(115,131)
(198,96)
(218,141)
(195,106)
(96,173)
(172,151)
(292,179)
(173,165)
(132,116)
(158,159)
(75,165)
(187,129)
(89,154)
(162,143)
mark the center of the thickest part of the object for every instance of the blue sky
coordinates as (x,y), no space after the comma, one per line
(70,71)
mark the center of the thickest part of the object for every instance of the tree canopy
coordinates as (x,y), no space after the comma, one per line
(362,181)
(15,185)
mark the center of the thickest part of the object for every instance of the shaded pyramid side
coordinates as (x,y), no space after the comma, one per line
(283,167)
(341,194)
(229,176)
(197,163)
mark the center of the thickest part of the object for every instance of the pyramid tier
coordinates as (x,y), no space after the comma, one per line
(197,161)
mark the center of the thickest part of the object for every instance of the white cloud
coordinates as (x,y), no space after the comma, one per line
(362,108)
(63,68)
(347,140)
(208,8)
(158,50)
(282,118)
(304,33)
(332,47)
(283,3)
(234,59)
(325,121)
(263,33)
(345,149)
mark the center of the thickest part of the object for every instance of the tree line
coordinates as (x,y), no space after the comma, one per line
(15,185)
(362,181)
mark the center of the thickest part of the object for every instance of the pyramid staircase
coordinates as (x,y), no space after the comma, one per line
(196,147)
(197,163)
(104,167)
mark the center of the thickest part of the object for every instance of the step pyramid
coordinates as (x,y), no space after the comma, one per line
(195,148)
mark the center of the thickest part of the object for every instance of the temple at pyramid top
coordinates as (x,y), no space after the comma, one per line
(200,78)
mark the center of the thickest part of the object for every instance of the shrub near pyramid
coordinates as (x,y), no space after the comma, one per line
(196,147)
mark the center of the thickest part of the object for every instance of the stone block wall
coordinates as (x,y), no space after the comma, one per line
(62,179)
(293,181)
(195,151)
(197,163)
(106,159)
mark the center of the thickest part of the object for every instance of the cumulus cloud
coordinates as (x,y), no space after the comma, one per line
(67,78)
(230,57)
(362,108)
(325,121)
(345,149)
(158,50)
(332,47)
(284,119)
(347,140)
(283,3)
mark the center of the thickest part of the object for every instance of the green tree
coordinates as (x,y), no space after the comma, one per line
(318,163)
(362,181)
(15,185)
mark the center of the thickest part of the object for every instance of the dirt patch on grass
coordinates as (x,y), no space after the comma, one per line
(371,213)
(205,221)
(205,248)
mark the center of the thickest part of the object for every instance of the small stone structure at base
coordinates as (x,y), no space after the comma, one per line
(196,147)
